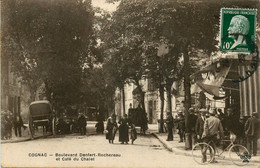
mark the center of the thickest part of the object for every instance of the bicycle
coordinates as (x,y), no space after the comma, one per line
(238,154)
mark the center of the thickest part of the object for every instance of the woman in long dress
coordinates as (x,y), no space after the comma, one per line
(111,129)
(133,133)
(123,130)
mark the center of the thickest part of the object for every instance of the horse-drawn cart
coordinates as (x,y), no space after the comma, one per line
(138,118)
(41,114)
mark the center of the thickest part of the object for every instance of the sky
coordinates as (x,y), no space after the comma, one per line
(106,6)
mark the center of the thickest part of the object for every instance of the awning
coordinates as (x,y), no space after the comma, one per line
(213,78)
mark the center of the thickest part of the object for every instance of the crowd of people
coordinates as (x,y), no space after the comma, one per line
(205,125)
(124,125)
(9,122)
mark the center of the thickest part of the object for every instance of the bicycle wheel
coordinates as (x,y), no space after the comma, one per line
(239,155)
(201,149)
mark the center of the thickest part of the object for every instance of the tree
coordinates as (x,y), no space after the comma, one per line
(49,42)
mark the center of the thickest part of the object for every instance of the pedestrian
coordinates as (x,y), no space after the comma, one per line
(133,133)
(111,129)
(8,126)
(199,127)
(169,124)
(240,132)
(251,132)
(61,126)
(82,122)
(144,120)
(18,123)
(100,124)
(192,120)
(181,126)
(228,121)
(74,126)
(123,130)
(212,130)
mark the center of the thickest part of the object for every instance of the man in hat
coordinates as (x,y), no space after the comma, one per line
(192,120)
(181,126)
(199,127)
(82,122)
(240,131)
(251,131)
(212,127)
(169,123)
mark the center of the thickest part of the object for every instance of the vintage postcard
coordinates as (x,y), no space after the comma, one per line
(130,83)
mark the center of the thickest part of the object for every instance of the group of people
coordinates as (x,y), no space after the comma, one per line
(124,125)
(178,123)
(9,122)
(206,125)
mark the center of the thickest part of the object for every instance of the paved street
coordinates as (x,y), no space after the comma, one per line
(146,152)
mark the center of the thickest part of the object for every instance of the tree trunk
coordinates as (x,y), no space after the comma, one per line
(123,96)
(169,95)
(142,94)
(33,90)
(187,100)
(48,91)
(161,91)
(32,95)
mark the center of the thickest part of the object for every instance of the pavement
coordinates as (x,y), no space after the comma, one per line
(96,151)
(39,134)
(172,146)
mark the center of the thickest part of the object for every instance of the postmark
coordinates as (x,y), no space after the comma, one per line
(238,30)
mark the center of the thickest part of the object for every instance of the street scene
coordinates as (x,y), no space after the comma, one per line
(147,151)
(130,83)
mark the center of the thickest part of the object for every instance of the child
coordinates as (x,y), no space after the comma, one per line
(133,133)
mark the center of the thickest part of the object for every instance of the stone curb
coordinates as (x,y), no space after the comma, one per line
(167,146)
(181,152)
(37,137)
(20,140)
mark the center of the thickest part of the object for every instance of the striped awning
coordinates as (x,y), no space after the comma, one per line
(249,92)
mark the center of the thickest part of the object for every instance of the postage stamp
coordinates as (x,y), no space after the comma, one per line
(237,30)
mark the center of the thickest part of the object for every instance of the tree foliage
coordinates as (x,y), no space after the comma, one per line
(49,42)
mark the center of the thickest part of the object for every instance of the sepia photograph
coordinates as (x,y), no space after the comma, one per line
(130,83)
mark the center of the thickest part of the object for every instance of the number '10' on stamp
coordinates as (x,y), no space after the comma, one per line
(237,30)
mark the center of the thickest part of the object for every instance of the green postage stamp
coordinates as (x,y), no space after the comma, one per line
(237,30)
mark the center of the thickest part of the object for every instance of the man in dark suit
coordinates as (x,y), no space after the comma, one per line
(169,123)
(251,132)
(199,128)
(18,123)
(82,122)
(181,126)
(192,120)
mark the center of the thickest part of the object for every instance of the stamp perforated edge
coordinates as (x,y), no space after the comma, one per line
(220,27)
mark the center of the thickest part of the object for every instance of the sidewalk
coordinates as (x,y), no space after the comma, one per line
(179,148)
(39,134)
(25,136)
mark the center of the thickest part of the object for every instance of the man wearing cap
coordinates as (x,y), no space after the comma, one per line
(251,131)
(212,128)
(199,127)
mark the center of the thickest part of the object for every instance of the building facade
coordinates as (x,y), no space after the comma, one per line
(152,101)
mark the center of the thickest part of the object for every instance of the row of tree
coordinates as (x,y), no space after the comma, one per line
(139,28)
(82,54)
